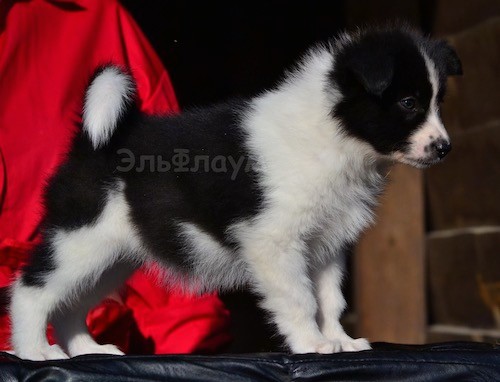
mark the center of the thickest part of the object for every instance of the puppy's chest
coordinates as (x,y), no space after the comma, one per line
(343,211)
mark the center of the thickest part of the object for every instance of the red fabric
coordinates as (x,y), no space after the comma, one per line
(48,49)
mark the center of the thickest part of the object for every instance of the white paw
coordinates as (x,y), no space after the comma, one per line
(96,349)
(45,353)
(336,346)
(358,344)
(328,347)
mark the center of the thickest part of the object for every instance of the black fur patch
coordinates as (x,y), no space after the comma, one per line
(40,264)
(74,197)
(446,60)
(373,74)
(210,197)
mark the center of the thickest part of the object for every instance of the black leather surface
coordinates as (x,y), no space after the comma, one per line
(387,362)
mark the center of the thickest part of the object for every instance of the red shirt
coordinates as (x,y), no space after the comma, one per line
(48,49)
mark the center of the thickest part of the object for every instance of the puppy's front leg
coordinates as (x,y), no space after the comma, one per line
(328,281)
(281,277)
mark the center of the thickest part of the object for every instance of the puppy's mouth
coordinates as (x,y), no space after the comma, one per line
(420,163)
(415,162)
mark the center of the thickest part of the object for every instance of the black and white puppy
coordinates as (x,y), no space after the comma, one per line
(266,191)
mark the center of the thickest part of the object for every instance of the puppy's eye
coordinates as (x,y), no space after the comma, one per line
(408,103)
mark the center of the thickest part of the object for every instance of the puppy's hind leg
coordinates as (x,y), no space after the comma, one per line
(30,305)
(68,266)
(70,321)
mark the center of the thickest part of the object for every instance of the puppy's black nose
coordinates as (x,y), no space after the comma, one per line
(442,148)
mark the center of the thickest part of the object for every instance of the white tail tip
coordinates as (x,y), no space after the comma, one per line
(105,102)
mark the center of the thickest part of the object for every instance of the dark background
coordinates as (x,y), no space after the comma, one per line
(214,50)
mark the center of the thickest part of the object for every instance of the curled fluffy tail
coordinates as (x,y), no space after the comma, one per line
(110,94)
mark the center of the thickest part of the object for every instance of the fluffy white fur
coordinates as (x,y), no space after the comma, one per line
(216,267)
(104,103)
(316,200)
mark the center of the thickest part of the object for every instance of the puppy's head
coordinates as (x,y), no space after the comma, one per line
(391,84)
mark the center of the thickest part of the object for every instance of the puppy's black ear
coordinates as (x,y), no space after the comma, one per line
(374,68)
(446,58)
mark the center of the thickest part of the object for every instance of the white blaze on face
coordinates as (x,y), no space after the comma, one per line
(432,130)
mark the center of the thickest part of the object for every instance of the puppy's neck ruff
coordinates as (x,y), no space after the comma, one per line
(292,131)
